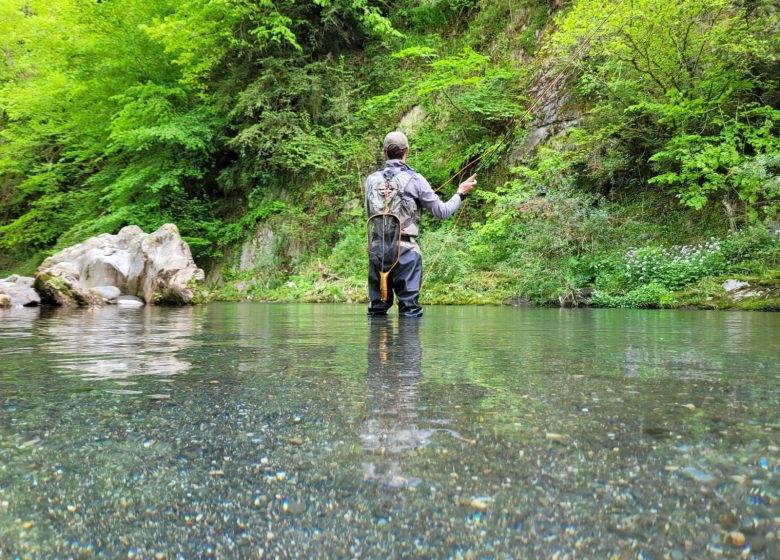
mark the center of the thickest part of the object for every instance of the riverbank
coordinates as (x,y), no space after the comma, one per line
(555,262)
(749,293)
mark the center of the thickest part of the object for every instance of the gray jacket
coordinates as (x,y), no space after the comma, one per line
(419,189)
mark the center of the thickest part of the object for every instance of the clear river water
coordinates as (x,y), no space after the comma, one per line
(311,431)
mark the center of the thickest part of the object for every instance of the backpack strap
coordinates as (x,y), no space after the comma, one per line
(402,184)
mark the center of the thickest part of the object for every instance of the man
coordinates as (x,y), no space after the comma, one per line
(405,277)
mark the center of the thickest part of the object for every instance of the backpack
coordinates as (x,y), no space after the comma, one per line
(384,192)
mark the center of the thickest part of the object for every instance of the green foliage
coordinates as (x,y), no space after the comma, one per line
(199,35)
(647,295)
(432,15)
(674,267)
(348,258)
(682,92)
(544,241)
(448,257)
(653,270)
(709,293)
(752,250)
(743,158)
(468,81)
(64,63)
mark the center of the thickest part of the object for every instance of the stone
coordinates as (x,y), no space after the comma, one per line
(728,521)
(480,504)
(17,291)
(758,544)
(156,267)
(519,302)
(20,281)
(262,243)
(129,301)
(271,239)
(736,539)
(586,294)
(108,293)
(295,507)
(412,121)
(558,438)
(733,285)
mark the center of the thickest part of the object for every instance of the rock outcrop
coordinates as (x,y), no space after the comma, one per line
(17,291)
(156,267)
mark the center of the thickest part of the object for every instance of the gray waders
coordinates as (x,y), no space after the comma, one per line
(404,281)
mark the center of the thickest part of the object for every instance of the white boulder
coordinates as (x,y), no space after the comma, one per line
(17,291)
(733,285)
(156,267)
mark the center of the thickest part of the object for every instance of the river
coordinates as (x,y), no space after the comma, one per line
(312,431)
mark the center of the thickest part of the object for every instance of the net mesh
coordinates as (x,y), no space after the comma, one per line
(384,241)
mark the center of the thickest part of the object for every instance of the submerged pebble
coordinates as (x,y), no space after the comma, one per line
(698,475)
(728,521)
(558,438)
(736,539)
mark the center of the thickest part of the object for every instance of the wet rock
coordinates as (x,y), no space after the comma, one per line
(294,507)
(129,301)
(157,267)
(757,543)
(728,521)
(585,295)
(480,504)
(108,293)
(657,432)
(698,475)
(558,438)
(519,302)
(17,291)
(736,539)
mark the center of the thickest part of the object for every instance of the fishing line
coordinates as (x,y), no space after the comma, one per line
(563,73)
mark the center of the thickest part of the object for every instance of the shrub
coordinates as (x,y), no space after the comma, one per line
(676,266)
(349,258)
(645,296)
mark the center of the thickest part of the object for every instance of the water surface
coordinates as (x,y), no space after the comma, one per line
(283,431)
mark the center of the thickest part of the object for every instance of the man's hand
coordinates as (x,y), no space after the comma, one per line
(467,185)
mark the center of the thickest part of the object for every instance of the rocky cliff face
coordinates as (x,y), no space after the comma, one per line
(156,267)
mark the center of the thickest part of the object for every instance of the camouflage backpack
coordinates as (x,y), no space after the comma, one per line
(384,193)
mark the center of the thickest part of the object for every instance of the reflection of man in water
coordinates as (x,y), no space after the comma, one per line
(392,381)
